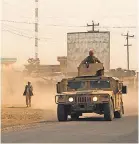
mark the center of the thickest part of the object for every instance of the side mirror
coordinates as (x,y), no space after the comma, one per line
(58,87)
(124,89)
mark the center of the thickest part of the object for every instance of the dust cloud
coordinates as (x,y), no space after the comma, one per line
(131,101)
(13,84)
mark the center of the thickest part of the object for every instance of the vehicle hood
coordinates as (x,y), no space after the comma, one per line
(88,92)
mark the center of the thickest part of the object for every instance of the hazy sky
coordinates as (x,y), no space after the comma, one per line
(55,19)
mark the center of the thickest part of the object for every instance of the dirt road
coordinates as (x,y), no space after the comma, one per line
(86,130)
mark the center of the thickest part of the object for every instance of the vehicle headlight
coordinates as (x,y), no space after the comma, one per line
(70,99)
(95,98)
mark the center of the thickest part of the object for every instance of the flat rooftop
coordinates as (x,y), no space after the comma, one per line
(8,60)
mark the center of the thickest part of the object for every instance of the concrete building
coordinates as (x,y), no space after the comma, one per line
(8,62)
(49,69)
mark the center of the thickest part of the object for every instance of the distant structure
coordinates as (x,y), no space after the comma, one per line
(34,66)
(8,62)
(63,63)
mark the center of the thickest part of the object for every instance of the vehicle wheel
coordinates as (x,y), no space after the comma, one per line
(118,114)
(74,116)
(123,109)
(108,111)
(62,113)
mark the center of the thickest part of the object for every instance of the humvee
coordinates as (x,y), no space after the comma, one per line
(90,92)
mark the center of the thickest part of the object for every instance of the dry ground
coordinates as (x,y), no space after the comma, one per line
(20,115)
(14,111)
(13,116)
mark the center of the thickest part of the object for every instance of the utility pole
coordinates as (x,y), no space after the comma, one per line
(93,26)
(127,45)
(36,29)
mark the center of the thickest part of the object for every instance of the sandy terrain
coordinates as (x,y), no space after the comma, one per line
(14,111)
(20,115)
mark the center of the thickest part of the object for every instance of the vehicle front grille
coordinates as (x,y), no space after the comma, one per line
(83,99)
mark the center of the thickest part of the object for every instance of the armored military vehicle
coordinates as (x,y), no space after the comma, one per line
(90,92)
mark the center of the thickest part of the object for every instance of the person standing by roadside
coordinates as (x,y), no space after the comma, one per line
(28,92)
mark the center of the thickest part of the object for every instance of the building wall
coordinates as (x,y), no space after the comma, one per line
(7,63)
(79,44)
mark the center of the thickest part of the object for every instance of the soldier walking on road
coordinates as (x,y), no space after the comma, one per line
(28,93)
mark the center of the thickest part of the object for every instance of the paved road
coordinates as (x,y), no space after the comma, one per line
(86,130)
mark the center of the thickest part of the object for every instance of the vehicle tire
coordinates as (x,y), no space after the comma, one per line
(74,116)
(108,111)
(62,113)
(118,114)
(123,109)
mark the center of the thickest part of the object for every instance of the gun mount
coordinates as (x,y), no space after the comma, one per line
(93,69)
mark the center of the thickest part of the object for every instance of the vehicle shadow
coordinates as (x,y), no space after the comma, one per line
(101,118)
(92,119)
(89,119)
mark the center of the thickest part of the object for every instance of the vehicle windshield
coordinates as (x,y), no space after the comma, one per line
(76,85)
(100,84)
